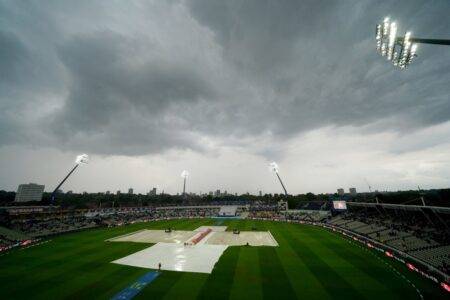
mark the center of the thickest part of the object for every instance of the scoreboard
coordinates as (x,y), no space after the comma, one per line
(340,205)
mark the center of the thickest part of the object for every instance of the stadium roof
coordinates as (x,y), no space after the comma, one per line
(400,206)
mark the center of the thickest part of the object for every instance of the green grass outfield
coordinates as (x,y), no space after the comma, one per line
(310,263)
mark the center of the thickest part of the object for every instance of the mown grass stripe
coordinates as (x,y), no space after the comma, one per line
(276,284)
(103,284)
(247,282)
(187,287)
(161,286)
(220,281)
(333,283)
(78,272)
(302,279)
(371,268)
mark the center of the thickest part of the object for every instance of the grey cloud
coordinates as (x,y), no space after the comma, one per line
(248,68)
(18,81)
(260,36)
(319,62)
(108,94)
(20,68)
(13,55)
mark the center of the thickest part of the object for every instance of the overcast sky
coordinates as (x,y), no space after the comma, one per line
(221,88)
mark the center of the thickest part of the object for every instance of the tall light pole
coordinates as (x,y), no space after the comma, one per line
(274,168)
(400,50)
(184,175)
(81,159)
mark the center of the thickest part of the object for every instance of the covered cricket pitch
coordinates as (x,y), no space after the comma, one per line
(188,251)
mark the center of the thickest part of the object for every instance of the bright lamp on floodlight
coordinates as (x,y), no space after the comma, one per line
(399,50)
(396,50)
(82,159)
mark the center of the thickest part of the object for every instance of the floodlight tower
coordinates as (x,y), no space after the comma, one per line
(184,175)
(399,50)
(370,188)
(81,159)
(274,168)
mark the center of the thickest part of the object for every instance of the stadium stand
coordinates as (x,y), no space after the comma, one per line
(10,238)
(11,234)
(411,232)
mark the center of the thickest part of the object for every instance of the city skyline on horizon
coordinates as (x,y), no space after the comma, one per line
(224,192)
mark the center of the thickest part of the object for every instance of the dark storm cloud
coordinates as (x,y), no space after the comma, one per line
(260,36)
(318,60)
(19,78)
(122,107)
(144,79)
(104,83)
(13,55)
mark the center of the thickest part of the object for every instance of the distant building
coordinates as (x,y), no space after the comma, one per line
(69,192)
(340,192)
(130,191)
(118,193)
(152,192)
(29,192)
(260,193)
(217,193)
(211,193)
(108,192)
(352,191)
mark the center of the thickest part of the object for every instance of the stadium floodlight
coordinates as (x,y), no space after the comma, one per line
(399,50)
(184,175)
(80,160)
(274,168)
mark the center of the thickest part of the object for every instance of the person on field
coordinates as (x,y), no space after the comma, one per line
(159,267)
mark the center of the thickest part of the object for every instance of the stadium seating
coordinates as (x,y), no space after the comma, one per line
(434,255)
(407,233)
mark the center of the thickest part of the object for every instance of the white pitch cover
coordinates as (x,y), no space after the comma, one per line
(176,257)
